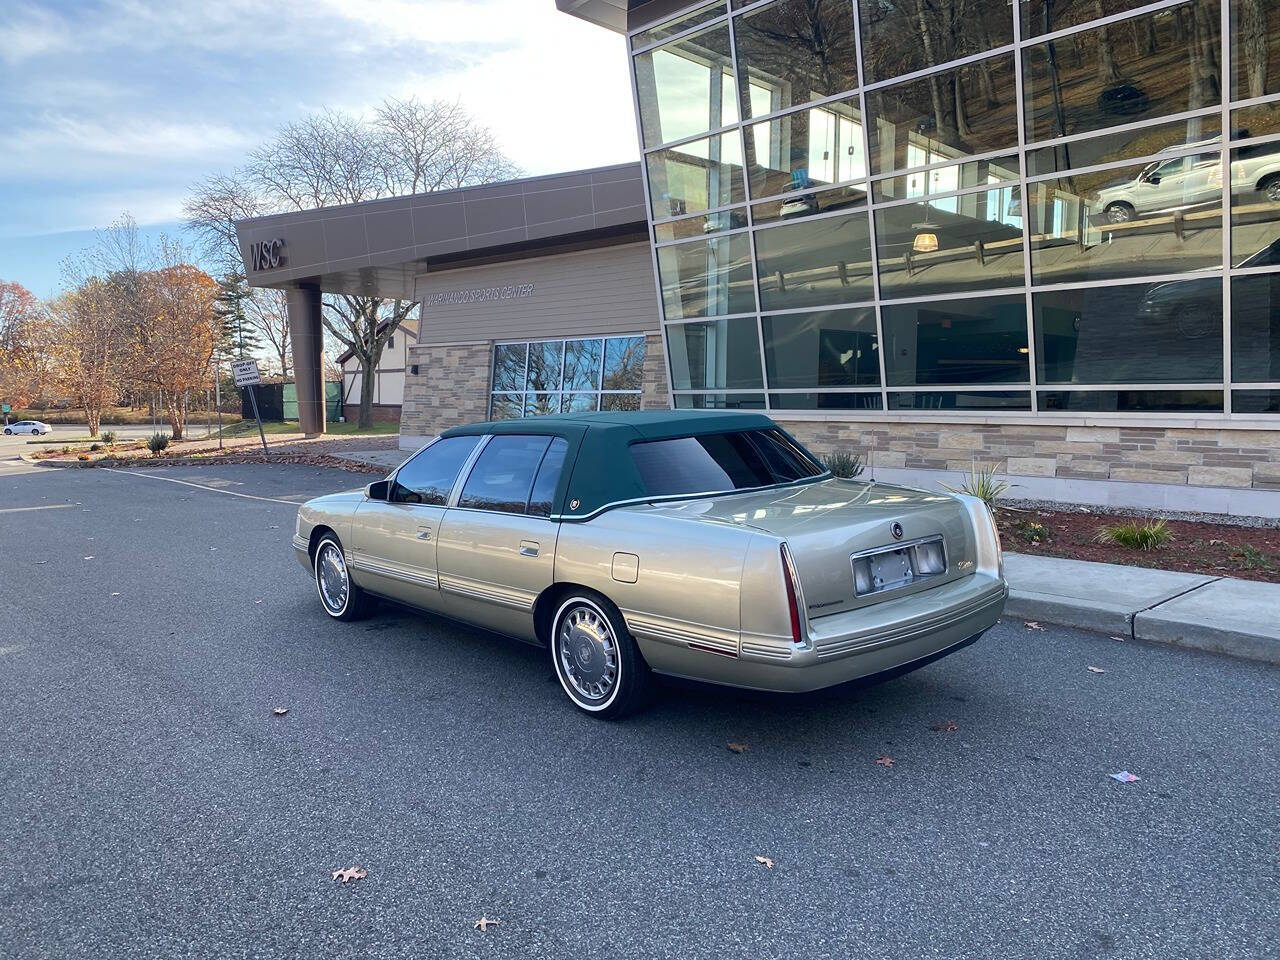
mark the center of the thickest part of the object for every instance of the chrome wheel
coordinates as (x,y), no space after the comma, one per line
(1272,190)
(587,652)
(1118,213)
(331,578)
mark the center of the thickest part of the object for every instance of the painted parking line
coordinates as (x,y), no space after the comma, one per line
(50,506)
(200,486)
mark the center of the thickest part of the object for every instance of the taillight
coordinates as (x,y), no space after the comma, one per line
(793,593)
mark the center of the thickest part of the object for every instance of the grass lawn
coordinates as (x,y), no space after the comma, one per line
(349,428)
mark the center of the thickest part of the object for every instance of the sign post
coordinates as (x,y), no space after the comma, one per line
(5,408)
(247,375)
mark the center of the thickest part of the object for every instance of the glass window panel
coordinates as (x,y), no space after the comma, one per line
(624,363)
(961,400)
(502,477)
(1260,120)
(1096,79)
(686,21)
(1132,333)
(1144,142)
(983,340)
(1255,401)
(545,361)
(794,51)
(1255,48)
(829,348)
(1255,205)
(543,496)
(807,148)
(506,406)
(959,243)
(691,227)
(582,364)
(686,87)
(706,278)
(825,401)
(797,206)
(815,262)
(965,110)
(1132,401)
(1049,16)
(903,36)
(722,353)
(620,401)
(1255,328)
(742,460)
(719,401)
(430,475)
(541,404)
(578,402)
(508,366)
(696,176)
(1160,217)
(957,176)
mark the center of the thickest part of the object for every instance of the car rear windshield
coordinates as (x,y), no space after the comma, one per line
(721,461)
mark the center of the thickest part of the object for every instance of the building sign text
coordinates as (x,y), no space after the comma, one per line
(267,254)
(513,292)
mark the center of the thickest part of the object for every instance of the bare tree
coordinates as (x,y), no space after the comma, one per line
(407,146)
(268,314)
(23,359)
(86,344)
(1253,45)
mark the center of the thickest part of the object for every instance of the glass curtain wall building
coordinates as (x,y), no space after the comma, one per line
(967,205)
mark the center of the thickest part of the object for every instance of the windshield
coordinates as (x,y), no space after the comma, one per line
(722,461)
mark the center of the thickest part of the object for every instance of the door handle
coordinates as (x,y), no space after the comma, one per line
(424,533)
(528,548)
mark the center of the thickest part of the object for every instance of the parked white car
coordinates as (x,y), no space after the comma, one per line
(33,427)
(1189,181)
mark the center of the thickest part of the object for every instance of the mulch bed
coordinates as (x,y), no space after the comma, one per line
(1213,549)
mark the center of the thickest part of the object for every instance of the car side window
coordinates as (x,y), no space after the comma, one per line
(502,478)
(543,496)
(429,476)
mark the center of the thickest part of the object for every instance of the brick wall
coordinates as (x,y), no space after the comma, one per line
(451,388)
(1190,456)
(382,412)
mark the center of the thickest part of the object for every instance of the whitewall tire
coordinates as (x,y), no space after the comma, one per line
(595,657)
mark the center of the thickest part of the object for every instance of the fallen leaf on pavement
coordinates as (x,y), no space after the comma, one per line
(280,711)
(115,594)
(884,760)
(351,873)
(767,861)
(737,747)
(1096,670)
(88,558)
(484,923)
(1032,625)
(1124,776)
(1118,639)
(948,727)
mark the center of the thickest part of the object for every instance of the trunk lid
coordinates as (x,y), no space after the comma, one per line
(827,522)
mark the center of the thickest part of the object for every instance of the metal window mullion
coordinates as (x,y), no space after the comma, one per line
(724,208)
(812,218)
(956,295)
(949,162)
(1266,98)
(675,37)
(1227,214)
(865,120)
(746,190)
(1187,150)
(1159,121)
(1156,387)
(1020,108)
(1100,22)
(794,108)
(1198,274)
(936,68)
(692,240)
(928,197)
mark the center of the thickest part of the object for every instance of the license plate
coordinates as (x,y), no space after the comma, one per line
(888,568)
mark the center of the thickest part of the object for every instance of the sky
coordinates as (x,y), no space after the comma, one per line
(115,106)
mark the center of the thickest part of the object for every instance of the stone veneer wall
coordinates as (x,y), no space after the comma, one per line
(654,395)
(1190,456)
(451,388)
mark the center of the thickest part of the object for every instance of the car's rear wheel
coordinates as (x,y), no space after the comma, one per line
(8,432)
(1271,187)
(1119,213)
(35,431)
(339,595)
(595,657)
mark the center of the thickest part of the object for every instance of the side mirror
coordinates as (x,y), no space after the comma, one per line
(1154,179)
(378,490)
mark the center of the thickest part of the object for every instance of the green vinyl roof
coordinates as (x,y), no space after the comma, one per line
(600,469)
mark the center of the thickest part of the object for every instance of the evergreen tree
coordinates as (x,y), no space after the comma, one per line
(237,337)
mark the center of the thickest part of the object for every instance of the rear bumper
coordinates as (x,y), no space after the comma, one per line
(888,637)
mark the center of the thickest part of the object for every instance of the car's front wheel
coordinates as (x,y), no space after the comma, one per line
(8,432)
(595,657)
(1119,213)
(339,595)
(35,432)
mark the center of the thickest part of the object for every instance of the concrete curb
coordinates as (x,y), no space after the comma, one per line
(1238,618)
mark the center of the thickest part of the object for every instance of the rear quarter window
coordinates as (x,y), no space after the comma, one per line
(719,462)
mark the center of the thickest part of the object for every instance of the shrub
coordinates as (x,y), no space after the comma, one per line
(844,464)
(1255,559)
(981,483)
(65,448)
(1134,535)
(95,447)
(1032,531)
(109,437)
(157,443)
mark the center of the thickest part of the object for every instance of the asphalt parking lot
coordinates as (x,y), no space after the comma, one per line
(155,806)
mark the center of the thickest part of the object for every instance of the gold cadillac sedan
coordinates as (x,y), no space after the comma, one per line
(711,546)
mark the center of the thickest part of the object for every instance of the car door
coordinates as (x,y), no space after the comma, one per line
(394,541)
(497,544)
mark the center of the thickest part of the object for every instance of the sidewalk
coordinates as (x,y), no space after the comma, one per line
(1219,614)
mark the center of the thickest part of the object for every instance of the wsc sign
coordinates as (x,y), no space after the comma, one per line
(267,254)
